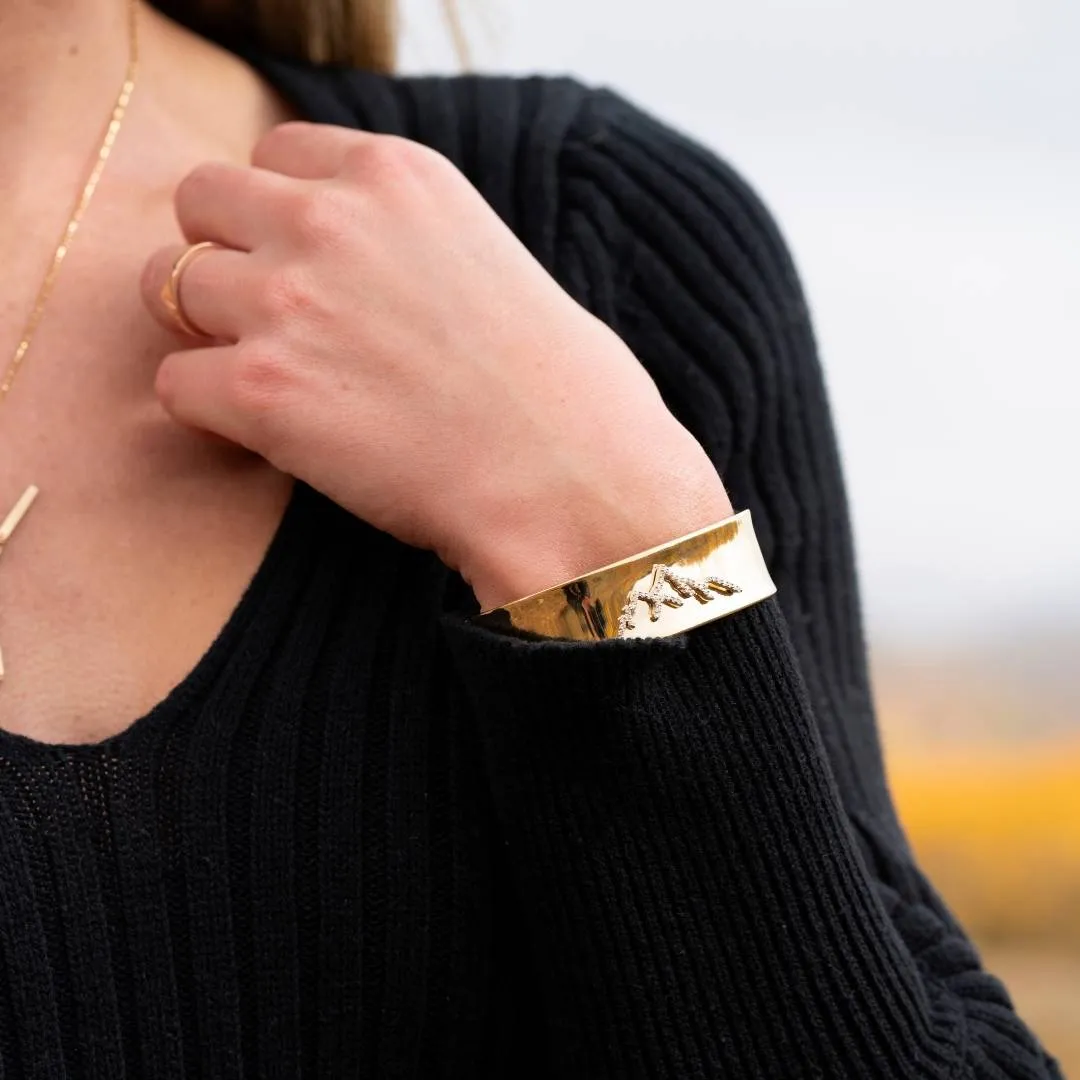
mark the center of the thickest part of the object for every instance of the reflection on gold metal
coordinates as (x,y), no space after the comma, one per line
(170,292)
(720,568)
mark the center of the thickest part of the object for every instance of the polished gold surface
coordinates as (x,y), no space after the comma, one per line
(706,575)
(170,293)
(18,511)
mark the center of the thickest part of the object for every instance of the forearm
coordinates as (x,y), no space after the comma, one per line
(587,520)
(694,894)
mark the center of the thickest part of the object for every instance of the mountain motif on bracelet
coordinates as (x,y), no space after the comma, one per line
(684,587)
(605,603)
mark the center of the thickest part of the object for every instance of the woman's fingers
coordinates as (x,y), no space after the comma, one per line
(192,385)
(209,293)
(208,389)
(307,151)
(232,205)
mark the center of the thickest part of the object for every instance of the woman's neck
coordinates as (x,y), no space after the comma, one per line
(193,102)
(62,63)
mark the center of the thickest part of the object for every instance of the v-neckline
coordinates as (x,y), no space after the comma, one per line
(298,510)
(294,521)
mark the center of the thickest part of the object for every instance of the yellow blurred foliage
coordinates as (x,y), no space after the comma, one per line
(997,829)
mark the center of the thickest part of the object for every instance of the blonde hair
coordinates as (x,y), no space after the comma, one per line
(357,33)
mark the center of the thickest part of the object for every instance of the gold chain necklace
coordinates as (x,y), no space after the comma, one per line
(116,120)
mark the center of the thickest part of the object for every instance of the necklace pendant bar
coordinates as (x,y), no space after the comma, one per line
(18,512)
(8,526)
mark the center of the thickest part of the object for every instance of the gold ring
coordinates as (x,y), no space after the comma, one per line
(170,293)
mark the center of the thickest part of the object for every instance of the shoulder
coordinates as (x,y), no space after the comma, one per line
(558,158)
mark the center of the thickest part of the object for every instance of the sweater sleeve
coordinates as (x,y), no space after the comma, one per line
(712,879)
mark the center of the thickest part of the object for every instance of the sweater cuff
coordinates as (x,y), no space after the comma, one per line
(533,680)
(680,783)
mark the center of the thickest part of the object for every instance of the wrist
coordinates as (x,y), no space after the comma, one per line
(536,544)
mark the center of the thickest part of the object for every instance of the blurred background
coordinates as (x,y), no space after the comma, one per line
(924,162)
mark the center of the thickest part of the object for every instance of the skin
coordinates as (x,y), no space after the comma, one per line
(371,327)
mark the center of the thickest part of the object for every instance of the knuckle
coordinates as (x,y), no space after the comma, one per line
(322,214)
(258,380)
(285,293)
(390,159)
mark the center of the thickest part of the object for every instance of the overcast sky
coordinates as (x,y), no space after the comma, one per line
(924,162)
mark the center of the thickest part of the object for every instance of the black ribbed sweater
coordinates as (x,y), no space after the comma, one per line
(365,839)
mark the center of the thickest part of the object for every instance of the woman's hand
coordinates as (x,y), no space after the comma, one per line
(377,331)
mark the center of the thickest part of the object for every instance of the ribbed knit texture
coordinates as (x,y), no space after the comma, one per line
(367,839)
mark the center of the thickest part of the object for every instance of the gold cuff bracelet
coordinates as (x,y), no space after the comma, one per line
(705,575)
